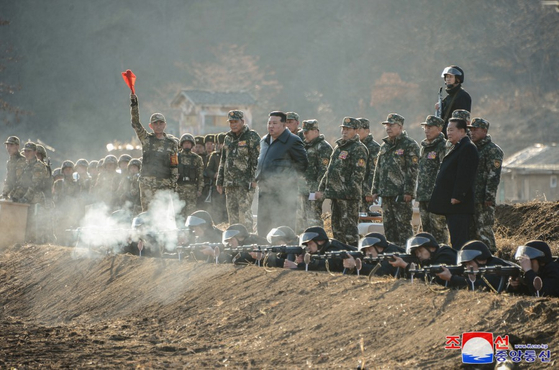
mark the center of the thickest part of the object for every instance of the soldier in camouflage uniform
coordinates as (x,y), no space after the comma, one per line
(431,155)
(129,188)
(191,175)
(487,181)
(93,172)
(66,194)
(318,153)
(106,188)
(28,189)
(159,155)
(16,164)
(205,199)
(395,179)
(343,182)
(373,147)
(237,168)
(292,123)
(218,208)
(45,220)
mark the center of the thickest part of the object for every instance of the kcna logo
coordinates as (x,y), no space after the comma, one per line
(477,347)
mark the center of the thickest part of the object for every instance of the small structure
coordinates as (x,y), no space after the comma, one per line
(205,112)
(530,174)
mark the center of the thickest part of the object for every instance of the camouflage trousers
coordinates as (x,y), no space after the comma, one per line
(188,194)
(149,186)
(309,213)
(345,216)
(396,219)
(238,201)
(433,224)
(482,225)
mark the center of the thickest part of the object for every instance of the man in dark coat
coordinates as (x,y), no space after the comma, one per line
(453,195)
(282,159)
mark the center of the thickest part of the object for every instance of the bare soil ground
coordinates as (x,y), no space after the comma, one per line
(69,308)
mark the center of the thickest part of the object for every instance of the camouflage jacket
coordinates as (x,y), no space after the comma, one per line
(373,147)
(346,171)
(65,190)
(488,171)
(318,153)
(159,156)
(212,168)
(129,190)
(239,158)
(28,186)
(191,170)
(431,155)
(15,165)
(106,188)
(397,165)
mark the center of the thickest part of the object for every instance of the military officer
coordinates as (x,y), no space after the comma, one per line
(159,154)
(237,167)
(487,181)
(16,164)
(191,175)
(292,123)
(318,153)
(343,182)
(218,207)
(373,147)
(431,154)
(395,179)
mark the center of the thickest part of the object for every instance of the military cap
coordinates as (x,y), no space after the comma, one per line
(310,124)
(479,123)
(110,159)
(292,115)
(41,150)
(12,140)
(83,162)
(235,114)
(67,164)
(157,117)
(460,115)
(124,158)
(433,121)
(350,122)
(221,137)
(199,140)
(30,145)
(363,123)
(209,138)
(393,118)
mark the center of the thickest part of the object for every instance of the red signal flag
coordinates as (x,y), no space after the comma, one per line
(130,78)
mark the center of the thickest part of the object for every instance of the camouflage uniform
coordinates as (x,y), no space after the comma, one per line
(28,189)
(318,153)
(191,180)
(431,155)
(159,157)
(66,192)
(129,189)
(487,181)
(218,206)
(373,147)
(342,183)
(396,176)
(106,188)
(15,165)
(237,168)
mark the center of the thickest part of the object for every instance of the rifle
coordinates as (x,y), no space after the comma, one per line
(504,272)
(195,247)
(337,255)
(439,112)
(437,269)
(391,256)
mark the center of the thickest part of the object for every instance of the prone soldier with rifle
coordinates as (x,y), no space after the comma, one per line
(317,245)
(376,252)
(428,252)
(201,229)
(237,236)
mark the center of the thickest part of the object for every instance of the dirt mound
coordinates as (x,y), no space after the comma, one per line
(64,308)
(520,223)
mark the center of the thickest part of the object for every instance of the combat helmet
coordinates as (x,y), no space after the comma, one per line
(474,249)
(187,137)
(455,71)
(282,234)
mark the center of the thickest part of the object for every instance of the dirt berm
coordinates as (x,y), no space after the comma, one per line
(62,308)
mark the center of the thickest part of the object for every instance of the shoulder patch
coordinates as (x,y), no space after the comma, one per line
(361,162)
(325,161)
(497,163)
(414,159)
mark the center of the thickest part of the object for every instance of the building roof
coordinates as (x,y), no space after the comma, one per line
(536,158)
(199,97)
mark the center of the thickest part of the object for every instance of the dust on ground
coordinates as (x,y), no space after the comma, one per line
(64,307)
